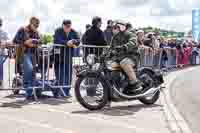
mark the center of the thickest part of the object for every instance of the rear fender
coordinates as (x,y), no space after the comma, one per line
(155,73)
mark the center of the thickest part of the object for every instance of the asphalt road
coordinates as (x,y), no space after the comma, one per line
(185,93)
(67,116)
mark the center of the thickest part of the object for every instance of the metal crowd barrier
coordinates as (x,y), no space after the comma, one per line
(157,58)
(52,70)
(172,57)
(148,57)
(56,66)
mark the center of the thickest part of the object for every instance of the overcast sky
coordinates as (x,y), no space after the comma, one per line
(169,14)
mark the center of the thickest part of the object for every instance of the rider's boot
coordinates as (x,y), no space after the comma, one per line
(135,86)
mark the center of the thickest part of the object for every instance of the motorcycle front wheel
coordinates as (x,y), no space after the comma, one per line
(91,92)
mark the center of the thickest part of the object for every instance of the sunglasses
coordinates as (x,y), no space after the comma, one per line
(36,25)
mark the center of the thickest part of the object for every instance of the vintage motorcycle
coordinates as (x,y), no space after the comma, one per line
(101,83)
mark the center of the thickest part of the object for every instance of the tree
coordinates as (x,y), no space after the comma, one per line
(47,38)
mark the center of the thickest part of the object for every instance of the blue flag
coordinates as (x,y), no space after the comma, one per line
(196,24)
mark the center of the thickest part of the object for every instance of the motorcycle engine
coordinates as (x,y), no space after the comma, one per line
(116,75)
(119,78)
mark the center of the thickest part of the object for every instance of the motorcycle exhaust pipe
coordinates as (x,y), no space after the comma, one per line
(149,92)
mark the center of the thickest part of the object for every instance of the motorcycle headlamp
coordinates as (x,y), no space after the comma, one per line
(109,64)
(91,59)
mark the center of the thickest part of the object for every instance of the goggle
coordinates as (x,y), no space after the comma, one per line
(115,27)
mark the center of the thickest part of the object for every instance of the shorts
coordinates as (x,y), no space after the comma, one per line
(127,61)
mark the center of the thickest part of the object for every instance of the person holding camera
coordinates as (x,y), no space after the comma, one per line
(27,39)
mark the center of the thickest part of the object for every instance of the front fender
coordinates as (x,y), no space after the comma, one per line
(99,75)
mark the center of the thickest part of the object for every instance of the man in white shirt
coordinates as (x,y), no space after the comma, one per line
(3,39)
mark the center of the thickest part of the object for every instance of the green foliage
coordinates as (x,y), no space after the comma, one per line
(47,38)
(162,32)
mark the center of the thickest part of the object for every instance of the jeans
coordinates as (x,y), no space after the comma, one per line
(156,60)
(2,60)
(28,73)
(63,73)
(163,63)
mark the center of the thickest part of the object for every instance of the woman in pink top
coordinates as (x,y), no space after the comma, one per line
(186,52)
(179,55)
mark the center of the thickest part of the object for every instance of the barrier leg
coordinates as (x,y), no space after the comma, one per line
(35,94)
(62,91)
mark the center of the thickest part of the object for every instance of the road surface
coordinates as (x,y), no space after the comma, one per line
(185,93)
(67,116)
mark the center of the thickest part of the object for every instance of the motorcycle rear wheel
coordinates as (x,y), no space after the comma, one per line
(101,103)
(150,100)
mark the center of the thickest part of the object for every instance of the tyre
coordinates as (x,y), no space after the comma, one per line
(150,100)
(17,83)
(87,97)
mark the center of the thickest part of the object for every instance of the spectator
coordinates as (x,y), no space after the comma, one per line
(169,42)
(152,42)
(3,37)
(149,40)
(94,36)
(179,55)
(172,52)
(156,40)
(66,36)
(27,38)
(164,57)
(194,57)
(108,32)
(198,55)
(140,37)
(87,27)
(173,43)
(140,42)
(187,52)
(163,42)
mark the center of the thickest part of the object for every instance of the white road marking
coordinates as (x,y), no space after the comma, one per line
(174,118)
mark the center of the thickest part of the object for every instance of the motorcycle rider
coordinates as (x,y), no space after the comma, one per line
(124,52)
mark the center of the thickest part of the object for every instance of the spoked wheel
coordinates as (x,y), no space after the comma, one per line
(149,100)
(91,92)
(17,83)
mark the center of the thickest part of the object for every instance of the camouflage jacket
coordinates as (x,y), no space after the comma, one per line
(129,46)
